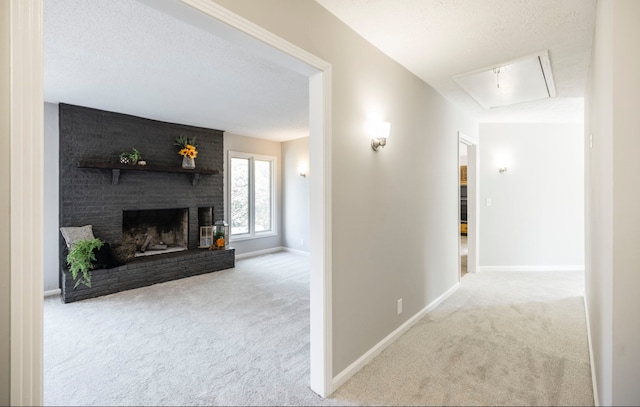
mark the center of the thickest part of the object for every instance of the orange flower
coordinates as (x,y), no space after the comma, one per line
(187,147)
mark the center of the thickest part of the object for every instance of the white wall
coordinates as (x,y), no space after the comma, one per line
(536,217)
(394,212)
(612,202)
(295,194)
(235,142)
(51,231)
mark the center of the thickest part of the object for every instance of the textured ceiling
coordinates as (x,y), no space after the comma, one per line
(128,57)
(136,57)
(439,39)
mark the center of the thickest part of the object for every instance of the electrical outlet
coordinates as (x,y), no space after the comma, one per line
(302,242)
(399,310)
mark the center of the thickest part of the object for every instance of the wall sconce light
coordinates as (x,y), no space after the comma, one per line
(379,134)
(302,170)
(503,162)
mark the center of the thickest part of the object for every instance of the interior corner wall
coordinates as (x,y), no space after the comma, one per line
(394,213)
(295,194)
(612,201)
(5,205)
(51,228)
(244,144)
(536,216)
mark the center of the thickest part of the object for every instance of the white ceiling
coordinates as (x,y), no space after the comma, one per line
(136,57)
(440,39)
(128,57)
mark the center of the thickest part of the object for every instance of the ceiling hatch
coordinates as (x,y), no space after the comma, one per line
(518,81)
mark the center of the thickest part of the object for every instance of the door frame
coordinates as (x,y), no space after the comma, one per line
(26,253)
(473,189)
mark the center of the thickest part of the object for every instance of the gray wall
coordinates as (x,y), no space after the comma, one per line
(5,207)
(394,212)
(612,201)
(51,228)
(536,218)
(295,194)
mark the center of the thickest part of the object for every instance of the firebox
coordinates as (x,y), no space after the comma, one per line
(156,231)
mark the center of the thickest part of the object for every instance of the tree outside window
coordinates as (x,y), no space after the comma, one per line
(251,194)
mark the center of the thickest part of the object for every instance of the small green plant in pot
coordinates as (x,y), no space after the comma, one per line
(81,258)
(130,157)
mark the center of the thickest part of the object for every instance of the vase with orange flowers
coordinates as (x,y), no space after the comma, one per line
(188,151)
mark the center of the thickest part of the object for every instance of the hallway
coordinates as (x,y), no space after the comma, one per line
(503,338)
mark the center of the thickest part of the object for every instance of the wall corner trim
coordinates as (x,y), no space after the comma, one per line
(51,293)
(367,357)
(594,382)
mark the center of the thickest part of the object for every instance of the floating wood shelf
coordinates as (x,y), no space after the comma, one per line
(115,169)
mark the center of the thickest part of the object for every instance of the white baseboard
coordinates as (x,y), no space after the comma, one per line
(258,253)
(363,360)
(271,250)
(531,268)
(51,293)
(295,251)
(594,382)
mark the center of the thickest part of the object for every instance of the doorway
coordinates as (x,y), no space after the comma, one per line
(26,106)
(462,170)
(468,204)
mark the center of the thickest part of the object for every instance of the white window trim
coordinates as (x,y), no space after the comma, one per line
(252,234)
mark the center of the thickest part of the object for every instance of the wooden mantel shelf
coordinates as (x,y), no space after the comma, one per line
(115,169)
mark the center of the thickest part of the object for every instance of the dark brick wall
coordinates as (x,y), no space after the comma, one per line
(87,196)
(147,271)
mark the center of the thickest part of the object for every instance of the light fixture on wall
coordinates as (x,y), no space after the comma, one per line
(379,134)
(302,170)
(503,162)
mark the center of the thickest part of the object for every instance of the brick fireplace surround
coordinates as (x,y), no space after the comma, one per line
(98,195)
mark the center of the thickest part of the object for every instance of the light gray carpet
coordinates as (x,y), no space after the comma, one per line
(233,337)
(504,338)
(241,337)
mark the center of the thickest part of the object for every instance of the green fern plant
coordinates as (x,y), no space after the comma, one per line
(80,260)
(130,157)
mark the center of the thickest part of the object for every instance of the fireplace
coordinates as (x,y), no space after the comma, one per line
(156,231)
(134,208)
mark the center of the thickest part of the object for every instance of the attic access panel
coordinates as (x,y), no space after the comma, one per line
(522,80)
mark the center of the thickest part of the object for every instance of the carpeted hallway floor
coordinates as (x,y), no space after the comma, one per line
(241,337)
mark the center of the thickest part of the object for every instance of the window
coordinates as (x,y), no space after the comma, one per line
(251,195)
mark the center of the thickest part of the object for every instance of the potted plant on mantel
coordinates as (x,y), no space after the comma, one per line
(132,158)
(188,151)
(80,259)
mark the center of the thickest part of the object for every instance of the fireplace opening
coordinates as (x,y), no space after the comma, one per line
(156,231)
